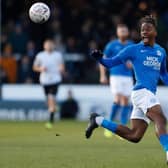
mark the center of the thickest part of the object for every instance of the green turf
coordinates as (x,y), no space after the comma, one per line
(30,145)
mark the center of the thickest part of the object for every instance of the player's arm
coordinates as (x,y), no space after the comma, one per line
(103,76)
(128,64)
(62,65)
(102,69)
(163,72)
(123,56)
(39,68)
(62,69)
(111,62)
(37,65)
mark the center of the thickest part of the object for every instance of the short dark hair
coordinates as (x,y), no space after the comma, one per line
(149,19)
(122,25)
(48,39)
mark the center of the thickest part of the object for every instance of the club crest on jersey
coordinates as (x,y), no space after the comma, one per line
(158,53)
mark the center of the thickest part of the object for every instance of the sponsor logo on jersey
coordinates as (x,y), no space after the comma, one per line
(152,62)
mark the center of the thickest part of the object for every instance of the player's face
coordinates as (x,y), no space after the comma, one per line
(48,46)
(122,33)
(148,33)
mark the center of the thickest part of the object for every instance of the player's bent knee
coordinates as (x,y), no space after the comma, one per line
(135,139)
(52,109)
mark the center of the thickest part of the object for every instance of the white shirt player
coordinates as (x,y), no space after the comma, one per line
(51,61)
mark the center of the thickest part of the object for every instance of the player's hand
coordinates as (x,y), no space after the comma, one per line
(129,64)
(96,54)
(103,80)
(43,69)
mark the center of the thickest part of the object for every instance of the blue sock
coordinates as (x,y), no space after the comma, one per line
(109,125)
(124,114)
(164,141)
(114,109)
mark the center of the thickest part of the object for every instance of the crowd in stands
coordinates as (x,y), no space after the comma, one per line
(77,26)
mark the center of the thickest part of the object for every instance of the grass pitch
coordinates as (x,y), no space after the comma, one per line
(30,145)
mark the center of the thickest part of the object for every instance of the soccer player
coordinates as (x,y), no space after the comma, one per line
(121,82)
(149,64)
(51,67)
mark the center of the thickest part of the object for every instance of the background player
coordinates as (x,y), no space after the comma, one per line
(149,63)
(51,66)
(121,82)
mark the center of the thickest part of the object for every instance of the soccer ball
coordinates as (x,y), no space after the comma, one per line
(39,12)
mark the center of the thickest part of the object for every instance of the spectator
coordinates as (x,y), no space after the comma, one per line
(69,108)
(8,64)
(75,26)
(25,70)
(57,35)
(31,49)
(92,45)
(3,76)
(3,40)
(73,60)
(18,40)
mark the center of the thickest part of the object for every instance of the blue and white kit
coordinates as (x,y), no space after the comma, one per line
(149,64)
(121,81)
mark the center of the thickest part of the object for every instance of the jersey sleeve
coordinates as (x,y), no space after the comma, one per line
(127,54)
(122,57)
(37,61)
(60,59)
(108,50)
(163,70)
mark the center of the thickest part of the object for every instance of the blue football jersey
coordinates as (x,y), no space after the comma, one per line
(112,49)
(149,64)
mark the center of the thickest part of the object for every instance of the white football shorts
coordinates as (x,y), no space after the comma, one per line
(121,85)
(142,100)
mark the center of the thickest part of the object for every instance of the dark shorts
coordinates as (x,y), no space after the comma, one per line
(51,89)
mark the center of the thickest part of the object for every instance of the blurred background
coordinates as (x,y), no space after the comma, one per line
(77,26)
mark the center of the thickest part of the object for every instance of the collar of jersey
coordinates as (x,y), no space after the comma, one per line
(127,41)
(154,46)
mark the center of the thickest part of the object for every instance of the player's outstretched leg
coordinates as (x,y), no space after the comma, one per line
(133,134)
(52,109)
(114,110)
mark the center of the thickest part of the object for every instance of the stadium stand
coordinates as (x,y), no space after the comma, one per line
(77,26)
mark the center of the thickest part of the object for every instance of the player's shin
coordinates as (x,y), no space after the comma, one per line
(49,125)
(51,117)
(51,108)
(111,126)
(124,114)
(52,111)
(164,141)
(114,110)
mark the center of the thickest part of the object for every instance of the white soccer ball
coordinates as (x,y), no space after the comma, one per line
(39,12)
